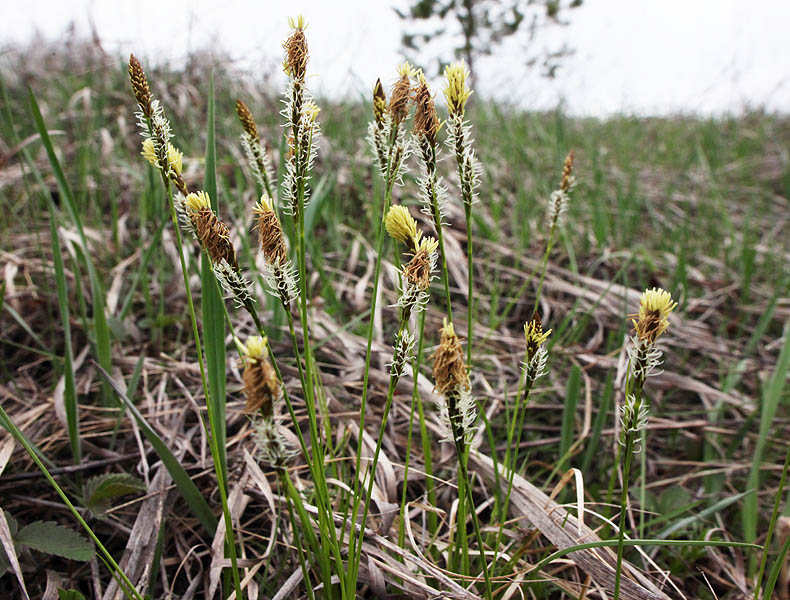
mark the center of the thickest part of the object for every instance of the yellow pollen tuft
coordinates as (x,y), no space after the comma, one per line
(456,93)
(174,155)
(198,200)
(653,317)
(401,226)
(255,347)
(534,334)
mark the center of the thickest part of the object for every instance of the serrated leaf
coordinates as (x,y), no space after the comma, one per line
(55,539)
(99,491)
(69,595)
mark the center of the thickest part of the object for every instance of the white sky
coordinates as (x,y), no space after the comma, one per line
(644,56)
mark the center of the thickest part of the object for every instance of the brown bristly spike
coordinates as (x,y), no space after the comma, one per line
(270,233)
(418,270)
(567,172)
(214,237)
(261,386)
(399,99)
(426,122)
(246,118)
(296,54)
(449,369)
(140,85)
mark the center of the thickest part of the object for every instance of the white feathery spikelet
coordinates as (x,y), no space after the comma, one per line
(459,138)
(644,357)
(536,366)
(430,185)
(404,351)
(274,449)
(633,419)
(256,155)
(282,281)
(233,283)
(465,415)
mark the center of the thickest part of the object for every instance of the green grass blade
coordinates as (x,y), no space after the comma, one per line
(69,392)
(101,329)
(569,410)
(776,569)
(770,402)
(212,303)
(181,478)
(711,510)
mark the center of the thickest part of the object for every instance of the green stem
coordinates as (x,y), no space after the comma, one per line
(772,525)
(461,454)
(120,576)
(212,418)
(353,568)
(437,221)
(628,450)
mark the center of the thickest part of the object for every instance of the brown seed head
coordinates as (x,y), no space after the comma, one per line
(379,103)
(270,231)
(449,369)
(401,91)
(261,386)
(417,271)
(214,236)
(246,118)
(426,122)
(140,85)
(567,172)
(296,54)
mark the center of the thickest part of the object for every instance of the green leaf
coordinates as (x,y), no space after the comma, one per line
(100,327)
(55,539)
(70,390)
(69,595)
(213,305)
(183,481)
(99,491)
(770,402)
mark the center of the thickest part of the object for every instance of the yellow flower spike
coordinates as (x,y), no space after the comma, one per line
(198,200)
(406,70)
(401,226)
(255,347)
(297,23)
(149,153)
(534,334)
(429,245)
(311,109)
(175,158)
(174,155)
(653,317)
(456,93)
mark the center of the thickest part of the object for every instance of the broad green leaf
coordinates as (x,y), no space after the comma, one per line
(55,539)
(69,595)
(99,491)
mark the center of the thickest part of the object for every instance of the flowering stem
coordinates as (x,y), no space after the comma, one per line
(215,454)
(629,451)
(460,450)
(394,378)
(437,220)
(322,500)
(544,265)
